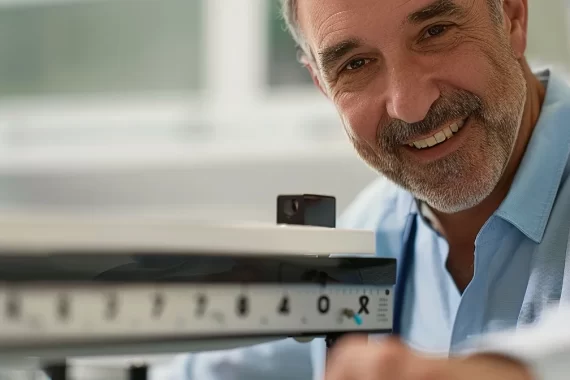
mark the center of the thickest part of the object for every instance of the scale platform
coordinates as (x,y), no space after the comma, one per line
(88,286)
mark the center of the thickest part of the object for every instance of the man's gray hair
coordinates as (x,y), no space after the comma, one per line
(289,12)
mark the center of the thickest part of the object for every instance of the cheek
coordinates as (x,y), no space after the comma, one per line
(361,113)
(470,70)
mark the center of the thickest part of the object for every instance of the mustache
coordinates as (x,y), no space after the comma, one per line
(452,106)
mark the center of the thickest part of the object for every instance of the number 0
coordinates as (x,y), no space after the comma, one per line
(324,304)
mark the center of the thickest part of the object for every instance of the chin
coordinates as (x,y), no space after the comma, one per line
(454,207)
(454,197)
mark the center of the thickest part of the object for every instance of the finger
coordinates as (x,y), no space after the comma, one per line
(353,362)
(348,341)
(490,367)
(356,359)
(424,368)
(345,344)
(472,368)
(362,340)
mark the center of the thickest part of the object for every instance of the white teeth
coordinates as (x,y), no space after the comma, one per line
(431,141)
(454,127)
(439,137)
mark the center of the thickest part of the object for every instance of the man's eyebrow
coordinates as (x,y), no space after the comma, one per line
(334,53)
(436,9)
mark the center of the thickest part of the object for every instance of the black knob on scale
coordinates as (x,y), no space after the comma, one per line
(307,210)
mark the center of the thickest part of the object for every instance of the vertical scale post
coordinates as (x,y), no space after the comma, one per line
(309,210)
(138,372)
(56,371)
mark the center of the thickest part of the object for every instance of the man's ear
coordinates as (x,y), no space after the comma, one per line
(313,71)
(516,24)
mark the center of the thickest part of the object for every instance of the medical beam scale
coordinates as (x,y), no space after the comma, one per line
(75,286)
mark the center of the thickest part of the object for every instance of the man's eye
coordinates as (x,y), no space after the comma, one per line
(434,31)
(356,64)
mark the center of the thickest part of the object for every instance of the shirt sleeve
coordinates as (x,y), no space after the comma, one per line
(543,347)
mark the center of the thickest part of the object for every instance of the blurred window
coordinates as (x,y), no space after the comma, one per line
(100,46)
(136,74)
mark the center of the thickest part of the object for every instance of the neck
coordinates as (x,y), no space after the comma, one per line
(461,229)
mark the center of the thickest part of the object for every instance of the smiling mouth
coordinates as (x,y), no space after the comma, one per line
(439,137)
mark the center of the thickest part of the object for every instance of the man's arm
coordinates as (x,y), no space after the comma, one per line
(540,352)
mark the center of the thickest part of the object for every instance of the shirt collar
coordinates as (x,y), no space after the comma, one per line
(531,197)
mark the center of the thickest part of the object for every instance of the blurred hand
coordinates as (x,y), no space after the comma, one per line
(358,359)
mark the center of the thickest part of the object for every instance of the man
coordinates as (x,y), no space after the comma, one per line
(437,96)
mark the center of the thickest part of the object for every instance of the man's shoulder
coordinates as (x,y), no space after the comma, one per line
(381,204)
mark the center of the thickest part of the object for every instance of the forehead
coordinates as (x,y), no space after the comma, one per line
(326,21)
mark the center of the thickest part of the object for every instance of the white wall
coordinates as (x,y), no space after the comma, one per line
(239,188)
(548,37)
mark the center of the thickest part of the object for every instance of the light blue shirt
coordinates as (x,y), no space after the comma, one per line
(520,258)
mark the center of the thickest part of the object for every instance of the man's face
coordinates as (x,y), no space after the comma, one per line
(431,92)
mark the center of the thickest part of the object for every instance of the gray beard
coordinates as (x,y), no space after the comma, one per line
(466,177)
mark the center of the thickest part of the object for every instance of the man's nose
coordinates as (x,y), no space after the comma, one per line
(411,94)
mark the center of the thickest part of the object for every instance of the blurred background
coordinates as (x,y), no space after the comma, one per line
(194,107)
(184,106)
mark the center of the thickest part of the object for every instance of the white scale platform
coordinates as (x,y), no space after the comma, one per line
(53,232)
(48,319)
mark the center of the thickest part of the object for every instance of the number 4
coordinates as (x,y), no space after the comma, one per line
(284,306)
